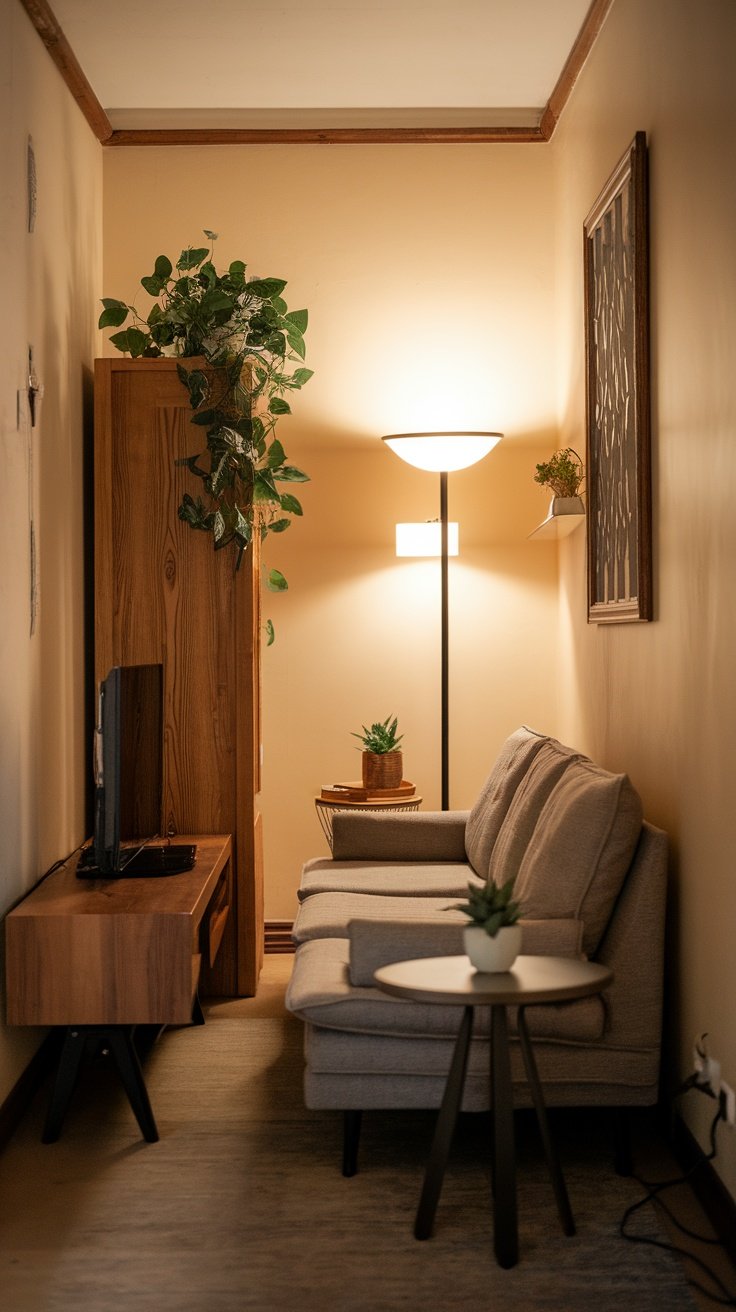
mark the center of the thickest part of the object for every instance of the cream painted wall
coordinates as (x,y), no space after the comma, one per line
(658,699)
(51,280)
(427,272)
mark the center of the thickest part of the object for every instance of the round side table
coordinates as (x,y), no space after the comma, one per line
(453,981)
(326,809)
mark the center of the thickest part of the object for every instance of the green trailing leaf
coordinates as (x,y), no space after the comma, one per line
(265,287)
(276,455)
(253,346)
(290,503)
(275,581)
(212,235)
(270,633)
(290,474)
(297,319)
(192,258)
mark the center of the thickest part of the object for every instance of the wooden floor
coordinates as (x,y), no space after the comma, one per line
(199,1223)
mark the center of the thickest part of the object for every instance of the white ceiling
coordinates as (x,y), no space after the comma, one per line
(300,63)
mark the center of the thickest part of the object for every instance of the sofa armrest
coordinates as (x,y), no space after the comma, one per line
(406,836)
(375,943)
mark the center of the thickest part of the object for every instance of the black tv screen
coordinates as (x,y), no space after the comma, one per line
(128,773)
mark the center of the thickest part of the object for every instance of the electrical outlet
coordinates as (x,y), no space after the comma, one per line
(728,1103)
(707,1068)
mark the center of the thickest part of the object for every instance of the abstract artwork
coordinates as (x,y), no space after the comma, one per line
(617,396)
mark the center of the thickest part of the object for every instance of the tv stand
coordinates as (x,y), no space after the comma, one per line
(109,960)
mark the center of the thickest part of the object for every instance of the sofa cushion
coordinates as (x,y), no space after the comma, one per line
(376,943)
(581,848)
(320,992)
(399,835)
(496,795)
(327,915)
(400,879)
(547,766)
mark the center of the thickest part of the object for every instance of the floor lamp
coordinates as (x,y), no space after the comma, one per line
(441,453)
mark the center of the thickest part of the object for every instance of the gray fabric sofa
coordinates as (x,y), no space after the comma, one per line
(591,877)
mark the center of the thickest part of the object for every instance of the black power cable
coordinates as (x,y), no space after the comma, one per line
(725,1298)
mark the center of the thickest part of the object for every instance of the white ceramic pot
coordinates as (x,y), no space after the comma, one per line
(492,954)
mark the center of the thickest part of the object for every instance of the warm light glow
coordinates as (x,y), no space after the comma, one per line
(442,452)
(425,539)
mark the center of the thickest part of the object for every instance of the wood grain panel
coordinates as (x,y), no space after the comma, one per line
(163,594)
(111,952)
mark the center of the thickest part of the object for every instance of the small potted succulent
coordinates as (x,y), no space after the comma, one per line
(493,938)
(383,762)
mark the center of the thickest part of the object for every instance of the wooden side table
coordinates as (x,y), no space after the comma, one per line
(327,806)
(453,981)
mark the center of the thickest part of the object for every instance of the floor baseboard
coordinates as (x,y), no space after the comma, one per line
(706,1184)
(277,936)
(15,1106)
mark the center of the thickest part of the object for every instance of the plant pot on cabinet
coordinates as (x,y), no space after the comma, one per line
(492,954)
(382,769)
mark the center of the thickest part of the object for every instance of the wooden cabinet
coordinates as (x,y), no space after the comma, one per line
(163,594)
(117,952)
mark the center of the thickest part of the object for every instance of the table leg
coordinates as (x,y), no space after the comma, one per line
(550,1152)
(64,1082)
(505,1227)
(129,1069)
(444,1130)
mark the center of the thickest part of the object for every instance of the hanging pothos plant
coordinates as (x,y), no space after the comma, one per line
(248,338)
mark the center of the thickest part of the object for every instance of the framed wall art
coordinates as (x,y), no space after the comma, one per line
(617,395)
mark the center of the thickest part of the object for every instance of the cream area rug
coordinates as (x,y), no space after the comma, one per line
(241,1205)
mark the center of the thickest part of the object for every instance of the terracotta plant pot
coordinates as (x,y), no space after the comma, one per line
(382,769)
(492,954)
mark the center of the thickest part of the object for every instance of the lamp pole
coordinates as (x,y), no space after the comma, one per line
(444,650)
(440,453)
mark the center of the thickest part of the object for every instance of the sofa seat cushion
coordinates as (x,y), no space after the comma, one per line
(402,879)
(327,915)
(547,767)
(496,795)
(581,848)
(320,992)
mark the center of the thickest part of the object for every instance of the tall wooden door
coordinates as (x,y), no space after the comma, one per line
(163,594)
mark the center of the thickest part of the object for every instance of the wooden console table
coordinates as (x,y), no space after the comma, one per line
(101,957)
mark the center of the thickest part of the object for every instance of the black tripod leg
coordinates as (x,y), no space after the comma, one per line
(444,1130)
(120,1043)
(64,1081)
(550,1152)
(350,1141)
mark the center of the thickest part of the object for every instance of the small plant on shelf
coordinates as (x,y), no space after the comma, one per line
(490,907)
(563,473)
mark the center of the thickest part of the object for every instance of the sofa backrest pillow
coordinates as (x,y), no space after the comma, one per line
(541,775)
(496,796)
(581,849)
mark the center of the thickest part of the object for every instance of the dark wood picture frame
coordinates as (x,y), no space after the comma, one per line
(618,472)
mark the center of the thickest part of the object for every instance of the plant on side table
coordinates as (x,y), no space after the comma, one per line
(383,762)
(242,330)
(493,939)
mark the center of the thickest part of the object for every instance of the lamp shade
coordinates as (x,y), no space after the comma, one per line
(442,452)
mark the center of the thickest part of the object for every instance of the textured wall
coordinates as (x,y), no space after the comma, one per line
(51,282)
(658,699)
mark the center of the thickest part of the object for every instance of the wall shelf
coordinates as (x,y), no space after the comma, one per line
(563,517)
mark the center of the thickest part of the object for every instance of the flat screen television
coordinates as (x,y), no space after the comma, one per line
(128,777)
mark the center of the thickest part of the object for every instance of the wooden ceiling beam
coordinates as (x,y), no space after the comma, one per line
(47,26)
